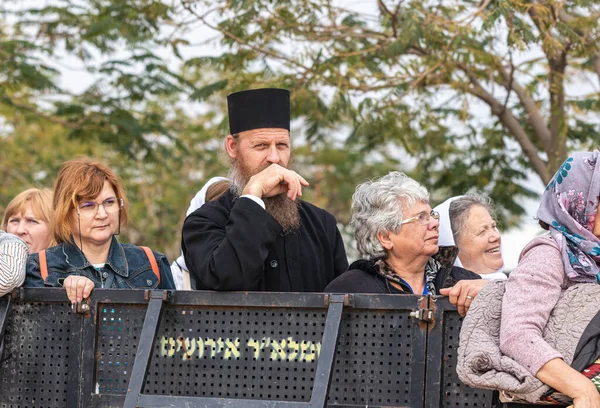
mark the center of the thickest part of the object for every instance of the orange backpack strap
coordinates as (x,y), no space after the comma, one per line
(152,260)
(43,265)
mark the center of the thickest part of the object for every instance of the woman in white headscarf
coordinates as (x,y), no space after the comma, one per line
(211,191)
(468,222)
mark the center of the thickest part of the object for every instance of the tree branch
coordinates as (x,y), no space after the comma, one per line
(558,124)
(50,118)
(510,123)
(570,20)
(534,115)
(393,16)
(480,9)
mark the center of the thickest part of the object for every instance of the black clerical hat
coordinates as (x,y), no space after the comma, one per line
(259,108)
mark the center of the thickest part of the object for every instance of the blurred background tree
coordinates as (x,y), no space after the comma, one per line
(459,94)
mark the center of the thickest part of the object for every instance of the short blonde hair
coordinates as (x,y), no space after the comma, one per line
(40,200)
(82,179)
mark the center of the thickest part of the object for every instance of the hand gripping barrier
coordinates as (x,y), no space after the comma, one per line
(206,349)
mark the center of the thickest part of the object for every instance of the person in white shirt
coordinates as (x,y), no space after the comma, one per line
(13,257)
(209,192)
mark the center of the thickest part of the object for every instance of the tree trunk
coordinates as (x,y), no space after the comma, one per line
(558,124)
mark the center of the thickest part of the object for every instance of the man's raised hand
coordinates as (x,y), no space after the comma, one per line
(275,180)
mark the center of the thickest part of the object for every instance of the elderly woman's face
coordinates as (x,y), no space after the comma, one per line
(479,242)
(414,239)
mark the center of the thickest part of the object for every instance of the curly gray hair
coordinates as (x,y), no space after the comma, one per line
(459,210)
(378,206)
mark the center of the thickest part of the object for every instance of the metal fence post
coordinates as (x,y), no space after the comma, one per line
(329,345)
(142,357)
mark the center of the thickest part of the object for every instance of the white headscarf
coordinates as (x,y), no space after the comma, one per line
(178,266)
(447,238)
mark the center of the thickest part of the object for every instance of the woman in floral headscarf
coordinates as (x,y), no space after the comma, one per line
(550,264)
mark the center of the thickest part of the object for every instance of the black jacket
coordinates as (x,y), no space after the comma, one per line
(362,277)
(234,244)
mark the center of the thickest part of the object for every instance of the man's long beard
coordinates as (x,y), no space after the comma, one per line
(284,210)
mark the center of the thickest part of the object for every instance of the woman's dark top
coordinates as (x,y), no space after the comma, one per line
(363,276)
(127,267)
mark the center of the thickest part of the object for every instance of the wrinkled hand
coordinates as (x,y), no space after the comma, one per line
(78,288)
(462,294)
(589,399)
(275,180)
(586,402)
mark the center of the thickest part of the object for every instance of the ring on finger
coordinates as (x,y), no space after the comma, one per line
(469,297)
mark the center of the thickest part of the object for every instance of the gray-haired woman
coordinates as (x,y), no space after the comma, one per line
(397,235)
(468,222)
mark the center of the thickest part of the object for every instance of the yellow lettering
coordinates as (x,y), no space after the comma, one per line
(200,343)
(294,346)
(167,347)
(189,347)
(216,346)
(277,352)
(232,348)
(258,345)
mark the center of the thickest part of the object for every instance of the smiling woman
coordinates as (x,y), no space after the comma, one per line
(90,207)
(468,222)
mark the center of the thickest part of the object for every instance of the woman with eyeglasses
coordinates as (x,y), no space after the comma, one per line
(90,208)
(397,235)
(468,222)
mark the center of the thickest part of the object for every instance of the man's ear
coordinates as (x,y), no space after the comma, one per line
(384,240)
(230,146)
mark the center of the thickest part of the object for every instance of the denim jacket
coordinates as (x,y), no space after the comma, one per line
(127,267)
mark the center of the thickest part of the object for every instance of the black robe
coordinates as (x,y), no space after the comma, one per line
(234,244)
(362,276)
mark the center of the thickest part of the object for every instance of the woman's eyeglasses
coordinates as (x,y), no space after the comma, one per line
(423,218)
(89,209)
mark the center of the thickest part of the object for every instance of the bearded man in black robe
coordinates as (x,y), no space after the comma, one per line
(259,235)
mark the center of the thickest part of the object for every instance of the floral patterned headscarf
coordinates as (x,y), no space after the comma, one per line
(569,207)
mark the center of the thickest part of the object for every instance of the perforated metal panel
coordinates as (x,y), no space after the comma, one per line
(35,367)
(375,359)
(256,347)
(454,392)
(119,327)
(227,352)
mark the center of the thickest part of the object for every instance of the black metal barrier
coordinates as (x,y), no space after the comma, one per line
(208,349)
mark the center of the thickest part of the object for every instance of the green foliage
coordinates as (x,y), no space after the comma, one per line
(478,96)
(461,94)
(159,190)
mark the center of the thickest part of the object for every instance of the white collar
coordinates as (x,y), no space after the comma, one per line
(494,276)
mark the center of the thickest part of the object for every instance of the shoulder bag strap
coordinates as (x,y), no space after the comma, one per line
(43,265)
(152,260)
